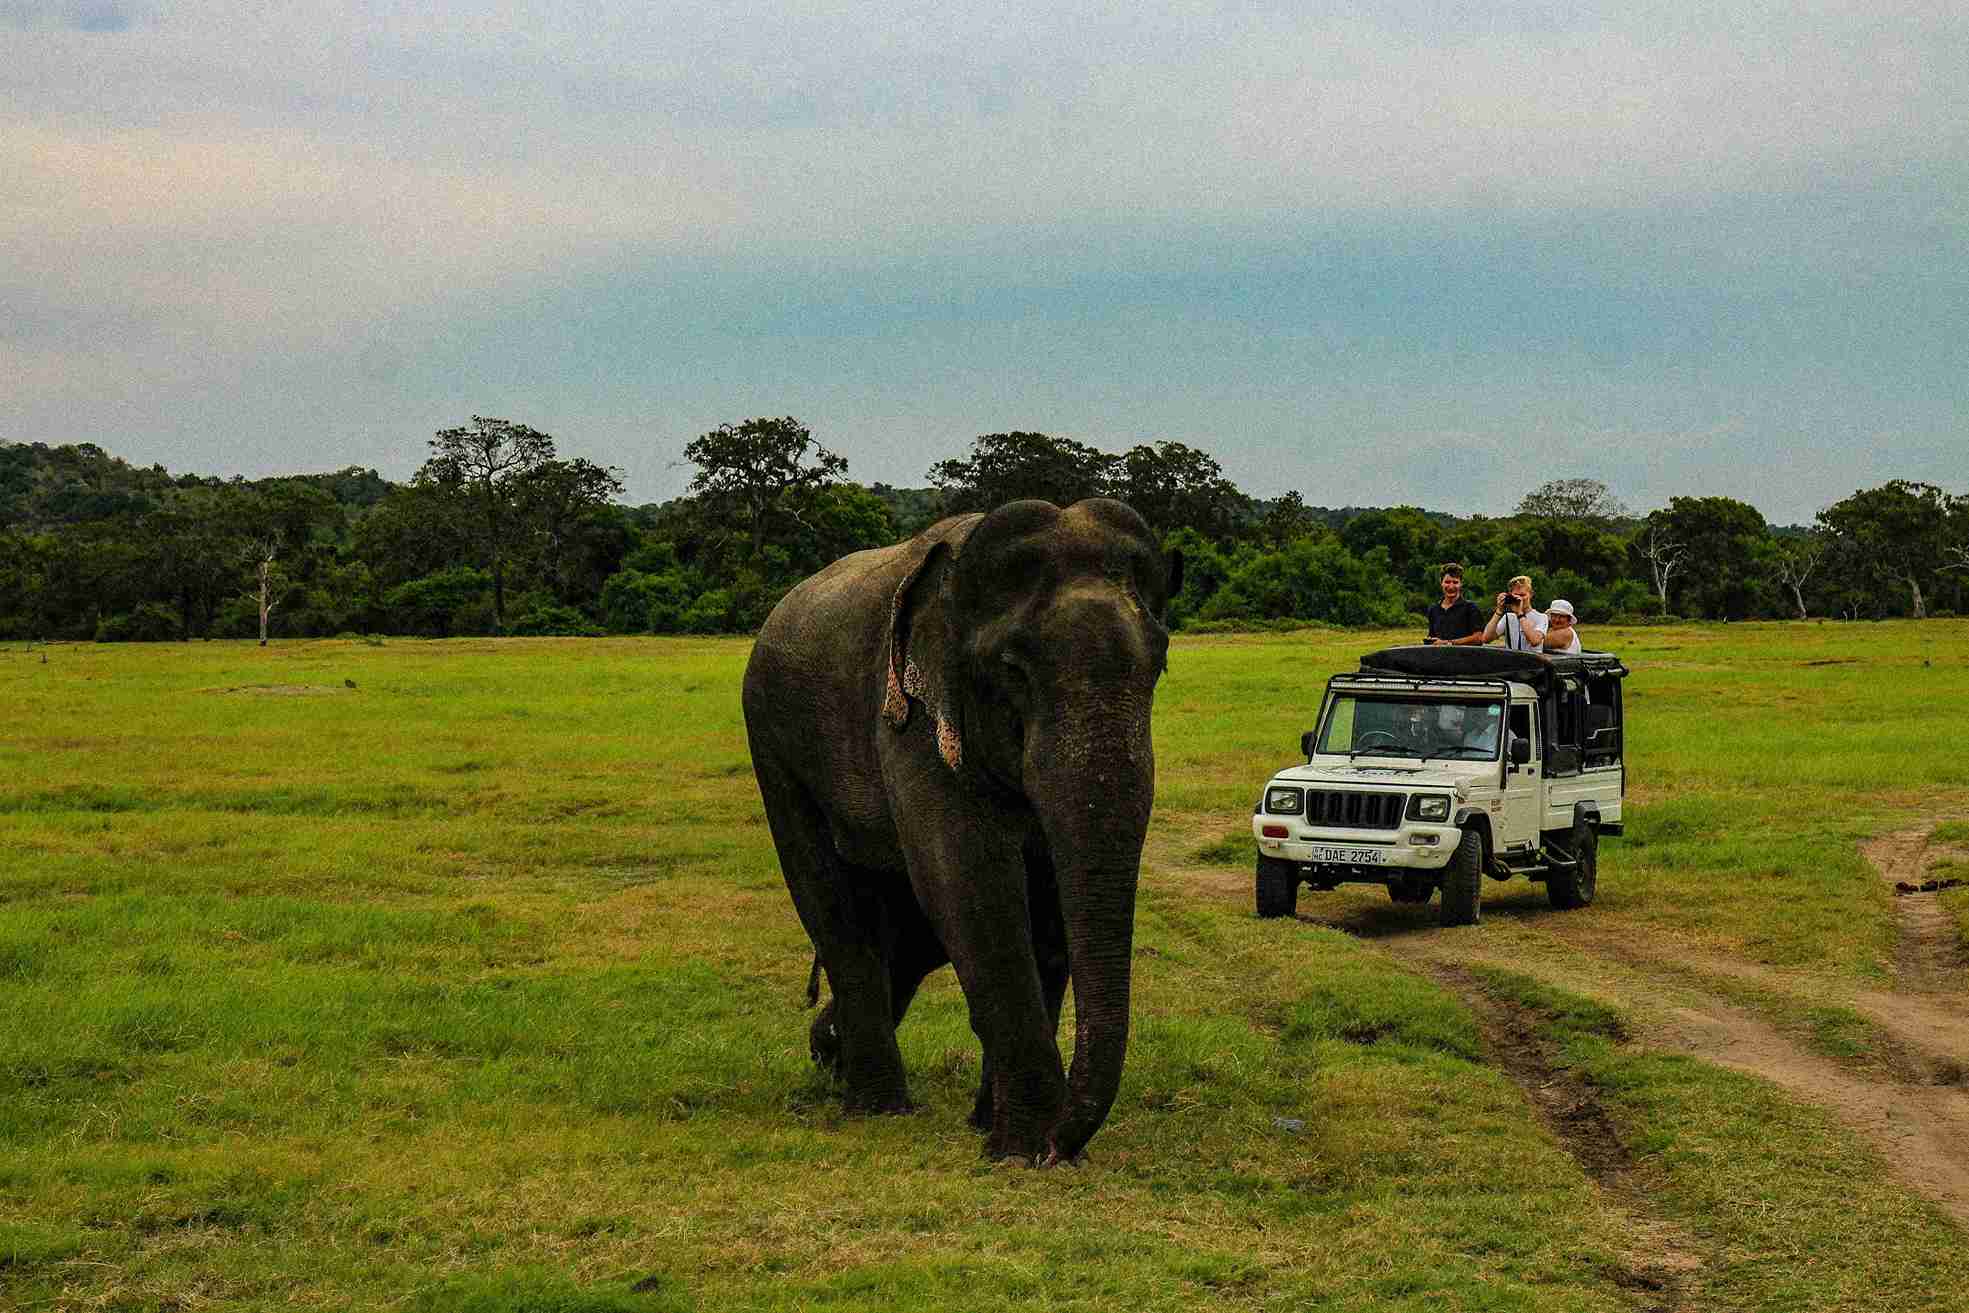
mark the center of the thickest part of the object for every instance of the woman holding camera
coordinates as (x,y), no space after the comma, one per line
(1515,621)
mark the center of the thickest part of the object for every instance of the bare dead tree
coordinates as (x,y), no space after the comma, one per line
(1663,552)
(1793,564)
(261,553)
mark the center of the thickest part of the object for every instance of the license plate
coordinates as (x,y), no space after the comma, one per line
(1346,856)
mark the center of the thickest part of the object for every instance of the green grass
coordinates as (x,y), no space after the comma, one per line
(475,986)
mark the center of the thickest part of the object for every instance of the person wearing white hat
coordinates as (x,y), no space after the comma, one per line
(1561,637)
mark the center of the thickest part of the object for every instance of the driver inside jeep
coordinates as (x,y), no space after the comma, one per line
(1448,730)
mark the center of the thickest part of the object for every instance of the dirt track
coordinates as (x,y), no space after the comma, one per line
(1910,1100)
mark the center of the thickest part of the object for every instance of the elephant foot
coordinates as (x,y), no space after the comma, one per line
(1026,1143)
(885,1104)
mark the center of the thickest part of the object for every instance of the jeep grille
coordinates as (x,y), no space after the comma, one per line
(1354,811)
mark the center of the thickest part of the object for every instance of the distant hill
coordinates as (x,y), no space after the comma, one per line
(43,487)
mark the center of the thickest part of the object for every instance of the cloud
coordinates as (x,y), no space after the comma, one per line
(77,15)
(279,236)
(1376,218)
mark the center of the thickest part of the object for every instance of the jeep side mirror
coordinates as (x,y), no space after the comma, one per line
(1306,744)
(1520,751)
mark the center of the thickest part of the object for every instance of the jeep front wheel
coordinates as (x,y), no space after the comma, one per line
(1463,882)
(1278,887)
(1575,888)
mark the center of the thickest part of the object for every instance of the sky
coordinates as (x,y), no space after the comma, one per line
(1413,251)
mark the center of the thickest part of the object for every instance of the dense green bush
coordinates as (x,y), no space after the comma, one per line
(453,601)
(151,622)
(555,621)
(1310,580)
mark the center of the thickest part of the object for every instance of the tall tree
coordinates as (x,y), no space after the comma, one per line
(759,474)
(1903,531)
(1285,520)
(1573,499)
(1725,540)
(419,529)
(1172,485)
(483,462)
(1014,466)
(560,501)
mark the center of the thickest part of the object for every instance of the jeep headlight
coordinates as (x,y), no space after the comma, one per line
(1282,801)
(1429,807)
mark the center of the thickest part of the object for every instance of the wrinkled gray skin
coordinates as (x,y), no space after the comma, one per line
(952,738)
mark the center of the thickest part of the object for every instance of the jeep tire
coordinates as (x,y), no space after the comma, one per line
(1575,887)
(1278,887)
(1463,882)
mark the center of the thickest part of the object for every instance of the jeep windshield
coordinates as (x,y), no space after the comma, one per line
(1405,727)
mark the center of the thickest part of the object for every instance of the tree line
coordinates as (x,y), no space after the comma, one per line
(499,533)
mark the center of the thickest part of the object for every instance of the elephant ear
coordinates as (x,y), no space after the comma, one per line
(904,678)
(923,665)
(1174,584)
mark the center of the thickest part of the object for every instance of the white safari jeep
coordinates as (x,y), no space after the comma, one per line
(1433,767)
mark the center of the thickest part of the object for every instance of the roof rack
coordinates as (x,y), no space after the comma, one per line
(1497,684)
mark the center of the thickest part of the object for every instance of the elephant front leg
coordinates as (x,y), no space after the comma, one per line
(981,913)
(1049,943)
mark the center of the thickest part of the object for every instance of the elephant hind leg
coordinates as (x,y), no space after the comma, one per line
(912,950)
(857,1029)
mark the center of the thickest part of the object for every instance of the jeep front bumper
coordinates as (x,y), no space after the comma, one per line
(1415,846)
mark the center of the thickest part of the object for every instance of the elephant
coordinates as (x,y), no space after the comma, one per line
(952,741)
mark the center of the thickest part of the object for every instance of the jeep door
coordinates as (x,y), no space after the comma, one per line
(1517,825)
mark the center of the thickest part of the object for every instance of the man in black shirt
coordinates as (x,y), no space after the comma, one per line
(1455,620)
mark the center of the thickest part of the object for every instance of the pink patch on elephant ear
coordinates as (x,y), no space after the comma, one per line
(895,707)
(949,743)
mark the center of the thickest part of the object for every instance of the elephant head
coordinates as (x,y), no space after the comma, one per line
(1031,639)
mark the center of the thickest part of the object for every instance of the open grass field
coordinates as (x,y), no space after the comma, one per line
(460,976)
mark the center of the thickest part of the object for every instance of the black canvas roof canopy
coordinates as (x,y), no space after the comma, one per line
(1443,661)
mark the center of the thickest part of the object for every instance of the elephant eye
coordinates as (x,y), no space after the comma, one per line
(1021,685)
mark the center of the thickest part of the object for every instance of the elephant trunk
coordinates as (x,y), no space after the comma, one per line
(1094,785)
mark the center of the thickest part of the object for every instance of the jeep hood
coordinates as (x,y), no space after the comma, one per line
(1432,775)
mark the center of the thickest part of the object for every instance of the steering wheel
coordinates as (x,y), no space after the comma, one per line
(1381,734)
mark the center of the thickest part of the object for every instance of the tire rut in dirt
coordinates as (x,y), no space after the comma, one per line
(1920,1128)
(1928,956)
(1926,1037)
(1663,1263)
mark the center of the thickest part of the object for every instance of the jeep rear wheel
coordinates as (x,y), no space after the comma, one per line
(1463,883)
(1278,887)
(1576,887)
